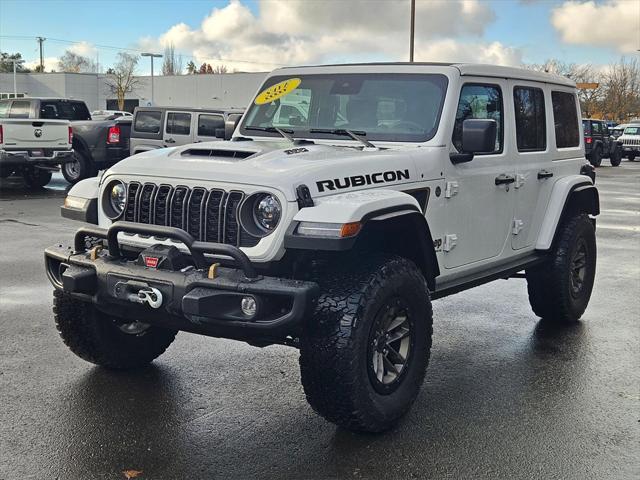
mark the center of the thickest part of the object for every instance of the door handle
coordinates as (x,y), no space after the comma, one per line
(170,140)
(503,179)
(542,174)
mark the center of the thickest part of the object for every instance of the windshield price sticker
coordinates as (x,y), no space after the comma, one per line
(277,91)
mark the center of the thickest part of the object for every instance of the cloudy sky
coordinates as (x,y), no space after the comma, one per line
(254,35)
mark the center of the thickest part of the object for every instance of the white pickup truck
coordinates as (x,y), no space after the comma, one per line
(34,148)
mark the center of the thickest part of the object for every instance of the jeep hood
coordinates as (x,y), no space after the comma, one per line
(279,165)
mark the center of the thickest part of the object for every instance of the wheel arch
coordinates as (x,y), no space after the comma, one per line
(570,195)
(379,212)
(80,144)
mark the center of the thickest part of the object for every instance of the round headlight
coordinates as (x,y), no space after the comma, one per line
(118,197)
(114,199)
(266,212)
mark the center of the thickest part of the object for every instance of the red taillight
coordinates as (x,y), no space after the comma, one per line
(114,134)
(588,140)
(1,135)
(70,135)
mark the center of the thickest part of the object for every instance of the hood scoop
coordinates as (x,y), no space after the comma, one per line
(216,153)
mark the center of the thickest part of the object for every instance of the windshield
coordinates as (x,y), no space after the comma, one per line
(387,107)
(632,131)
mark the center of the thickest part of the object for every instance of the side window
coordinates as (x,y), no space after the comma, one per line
(4,109)
(19,110)
(565,119)
(531,130)
(596,127)
(479,101)
(207,125)
(147,122)
(179,123)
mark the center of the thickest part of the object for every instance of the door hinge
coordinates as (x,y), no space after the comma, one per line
(450,241)
(520,181)
(450,189)
(518,225)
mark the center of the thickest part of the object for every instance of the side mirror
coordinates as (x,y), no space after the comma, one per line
(220,133)
(230,126)
(478,136)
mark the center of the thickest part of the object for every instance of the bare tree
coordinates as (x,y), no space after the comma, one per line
(73,63)
(172,64)
(622,83)
(220,69)
(591,97)
(121,77)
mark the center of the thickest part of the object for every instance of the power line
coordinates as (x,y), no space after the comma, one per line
(137,50)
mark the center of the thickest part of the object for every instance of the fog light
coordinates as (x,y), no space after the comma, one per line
(249,306)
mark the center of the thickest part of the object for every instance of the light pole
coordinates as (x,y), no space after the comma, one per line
(152,56)
(413,29)
(15,86)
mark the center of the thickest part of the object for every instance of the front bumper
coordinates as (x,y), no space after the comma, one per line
(17,158)
(193,299)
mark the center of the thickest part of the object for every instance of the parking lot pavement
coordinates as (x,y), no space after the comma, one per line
(506,396)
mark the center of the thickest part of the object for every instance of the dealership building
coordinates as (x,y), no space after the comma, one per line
(202,90)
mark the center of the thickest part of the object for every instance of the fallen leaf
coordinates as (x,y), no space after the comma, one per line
(129,474)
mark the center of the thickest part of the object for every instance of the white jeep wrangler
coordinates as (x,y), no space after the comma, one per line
(331,229)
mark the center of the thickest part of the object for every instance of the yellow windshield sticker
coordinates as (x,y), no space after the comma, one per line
(277,91)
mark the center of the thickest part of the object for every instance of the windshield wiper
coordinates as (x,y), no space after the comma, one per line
(356,135)
(288,134)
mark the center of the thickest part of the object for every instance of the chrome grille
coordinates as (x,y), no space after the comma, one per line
(631,142)
(207,215)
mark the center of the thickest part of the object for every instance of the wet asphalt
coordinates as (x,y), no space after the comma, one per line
(506,396)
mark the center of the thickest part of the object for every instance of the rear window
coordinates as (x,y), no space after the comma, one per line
(565,118)
(207,125)
(586,126)
(148,122)
(63,110)
(179,123)
(531,129)
(20,110)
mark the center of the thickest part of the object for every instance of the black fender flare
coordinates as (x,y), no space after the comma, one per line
(407,219)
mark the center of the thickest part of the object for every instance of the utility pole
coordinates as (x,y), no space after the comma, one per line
(152,56)
(413,29)
(41,41)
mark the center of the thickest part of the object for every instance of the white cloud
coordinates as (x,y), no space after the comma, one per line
(453,51)
(84,49)
(284,32)
(50,63)
(614,23)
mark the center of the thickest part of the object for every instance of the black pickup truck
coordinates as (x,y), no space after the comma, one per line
(97,144)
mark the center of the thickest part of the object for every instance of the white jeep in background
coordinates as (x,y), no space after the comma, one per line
(331,228)
(630,140)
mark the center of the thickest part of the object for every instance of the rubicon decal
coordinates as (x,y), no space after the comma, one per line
(360,180)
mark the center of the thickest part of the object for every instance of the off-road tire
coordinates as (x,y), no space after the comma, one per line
(595,157)
(631,158)
(82,167)
(616,158)
(36,177)
(550,285)
(335,345)
(96,338)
